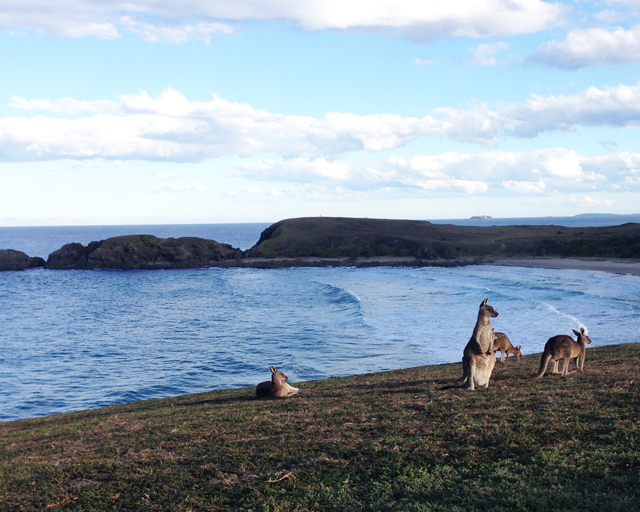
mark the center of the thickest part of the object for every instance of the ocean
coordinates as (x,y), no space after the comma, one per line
(74,340)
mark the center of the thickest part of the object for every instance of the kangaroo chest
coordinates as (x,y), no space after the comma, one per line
(484,336)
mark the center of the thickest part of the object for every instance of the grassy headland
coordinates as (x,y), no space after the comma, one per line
(387,441)
(334,237)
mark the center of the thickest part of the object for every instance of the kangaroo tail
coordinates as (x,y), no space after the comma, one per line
(543,364)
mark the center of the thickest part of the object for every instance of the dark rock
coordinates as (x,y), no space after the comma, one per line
(18,260)
(143,252)
(150,252)
(69,256)
(36,261)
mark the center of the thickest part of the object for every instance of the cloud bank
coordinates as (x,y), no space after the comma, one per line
(508,173)
(164,20)
(591,47)
(172,128)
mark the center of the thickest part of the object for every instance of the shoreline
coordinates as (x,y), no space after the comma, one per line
(610,265)
(613,266)
(629,267)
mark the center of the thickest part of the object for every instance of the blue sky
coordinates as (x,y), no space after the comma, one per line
(255,111)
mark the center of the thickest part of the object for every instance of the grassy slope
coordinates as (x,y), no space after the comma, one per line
(386,441)
(347,237)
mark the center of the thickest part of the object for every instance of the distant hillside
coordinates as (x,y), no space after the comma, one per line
(332,237)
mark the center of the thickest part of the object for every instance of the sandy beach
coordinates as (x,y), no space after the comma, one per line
(630,267)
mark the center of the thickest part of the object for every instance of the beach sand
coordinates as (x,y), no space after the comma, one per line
(630,267)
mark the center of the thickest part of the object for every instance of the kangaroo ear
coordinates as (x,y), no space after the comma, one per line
(273,369)
(576,332)
(519,347)
(484,302)
(582,330)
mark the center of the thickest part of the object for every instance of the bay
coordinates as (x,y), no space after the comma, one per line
(73,340)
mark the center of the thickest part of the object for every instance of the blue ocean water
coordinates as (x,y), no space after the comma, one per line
(73,340)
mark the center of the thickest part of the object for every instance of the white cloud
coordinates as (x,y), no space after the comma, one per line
(611,106)
(624,3)
(200,19)
(484,54)
(543,171)
(590,202)
(172,128)
(176,34)
(300,169)
(100,30)
(591,47)
(610,16)
(525,187)
(425,62)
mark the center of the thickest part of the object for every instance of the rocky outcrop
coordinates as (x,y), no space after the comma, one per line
(143,252)
(69,256)
(18,260)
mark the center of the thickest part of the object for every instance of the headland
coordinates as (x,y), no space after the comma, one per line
(335,241)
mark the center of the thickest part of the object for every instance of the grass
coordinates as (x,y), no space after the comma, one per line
(387,441)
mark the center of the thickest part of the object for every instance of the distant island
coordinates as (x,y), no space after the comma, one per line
(481,217)
(333,241)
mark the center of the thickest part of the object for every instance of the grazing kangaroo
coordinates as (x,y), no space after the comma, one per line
(277,386)
(479,358)
(503,344)
(562,347)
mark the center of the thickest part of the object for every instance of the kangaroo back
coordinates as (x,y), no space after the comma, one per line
(564,348)
(503,344)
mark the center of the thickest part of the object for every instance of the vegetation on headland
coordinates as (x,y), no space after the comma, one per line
(386,441)
(321,241)
(327,237)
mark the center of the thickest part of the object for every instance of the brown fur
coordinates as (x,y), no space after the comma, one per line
(479,358)
(503,344)
(277,386)
(562,347)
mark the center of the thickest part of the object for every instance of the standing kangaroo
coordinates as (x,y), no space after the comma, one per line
(277,386)
(562,347)
(479,358)
(503,344)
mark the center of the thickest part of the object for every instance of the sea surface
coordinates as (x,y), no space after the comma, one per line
(73,340)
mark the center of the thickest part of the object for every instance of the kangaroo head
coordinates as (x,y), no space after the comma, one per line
(582,334)
(518,353)
(277,374)
(487,310)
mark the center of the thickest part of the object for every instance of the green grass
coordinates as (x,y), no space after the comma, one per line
(388,441)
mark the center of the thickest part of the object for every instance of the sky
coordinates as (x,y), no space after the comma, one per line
(160,112)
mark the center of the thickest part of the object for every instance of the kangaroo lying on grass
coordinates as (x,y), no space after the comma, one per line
(503,344)
(277,386)
(479,358)
(562,347)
